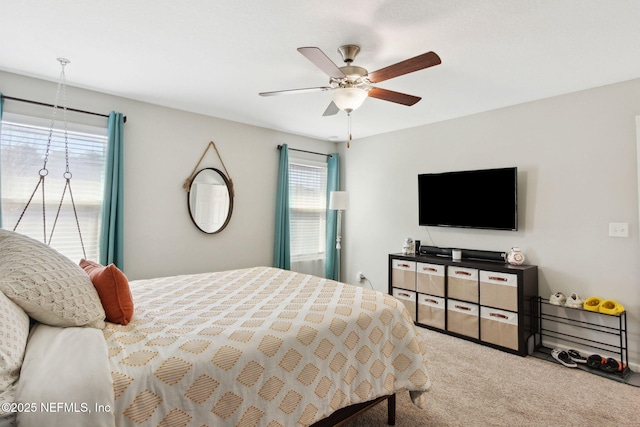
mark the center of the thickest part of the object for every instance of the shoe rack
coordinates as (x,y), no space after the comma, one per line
(589,332)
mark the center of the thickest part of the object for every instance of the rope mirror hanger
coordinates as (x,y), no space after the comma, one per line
(67,175)
(210,195)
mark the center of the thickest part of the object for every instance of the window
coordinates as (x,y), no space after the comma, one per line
(308,221)
(23,144)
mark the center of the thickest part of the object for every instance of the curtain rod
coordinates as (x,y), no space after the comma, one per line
(305,151)
(28,101)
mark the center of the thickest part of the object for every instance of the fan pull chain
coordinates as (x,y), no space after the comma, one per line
(349,129)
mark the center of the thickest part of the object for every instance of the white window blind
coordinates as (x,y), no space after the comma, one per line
(307,204)
(23,144)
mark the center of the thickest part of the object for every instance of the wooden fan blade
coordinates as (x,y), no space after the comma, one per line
(321,61)
(331,110)
(416,63)
(293,91)
(397,97)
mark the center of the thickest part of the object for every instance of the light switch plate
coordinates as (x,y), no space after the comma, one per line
(618,229)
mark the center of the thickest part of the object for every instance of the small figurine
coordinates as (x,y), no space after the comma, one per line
(515,257)
(407,248)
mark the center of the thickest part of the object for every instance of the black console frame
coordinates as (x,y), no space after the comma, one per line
(466,253)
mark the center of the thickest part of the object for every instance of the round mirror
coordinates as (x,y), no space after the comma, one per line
(210,200)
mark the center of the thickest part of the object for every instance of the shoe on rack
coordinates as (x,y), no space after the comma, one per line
(576,357)
(592,304)
(557,299)
(574,301)
(563,357)
(595,361)
(612,365)
(611,307)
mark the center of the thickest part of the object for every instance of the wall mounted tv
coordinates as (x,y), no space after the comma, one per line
(485,198)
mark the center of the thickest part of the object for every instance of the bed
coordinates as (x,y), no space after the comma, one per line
(250,347)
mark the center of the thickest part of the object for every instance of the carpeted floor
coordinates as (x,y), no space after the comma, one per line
(473,385)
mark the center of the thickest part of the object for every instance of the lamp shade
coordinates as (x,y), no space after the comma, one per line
(348,98)
(338,200)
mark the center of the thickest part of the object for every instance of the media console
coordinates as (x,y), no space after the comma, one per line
(489,302)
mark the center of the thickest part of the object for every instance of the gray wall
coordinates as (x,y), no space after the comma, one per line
(162,146)
(576,159)
(576,156)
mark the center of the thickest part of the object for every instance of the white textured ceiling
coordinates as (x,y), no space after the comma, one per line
(214,56)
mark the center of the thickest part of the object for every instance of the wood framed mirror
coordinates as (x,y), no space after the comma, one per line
(210,200)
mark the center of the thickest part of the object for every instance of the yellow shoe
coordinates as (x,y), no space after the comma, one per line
(611,307)
(592,304)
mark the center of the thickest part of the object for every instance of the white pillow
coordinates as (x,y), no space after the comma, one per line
(14,330)
(47,285)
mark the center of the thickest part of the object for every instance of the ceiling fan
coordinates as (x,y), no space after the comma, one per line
(350,84)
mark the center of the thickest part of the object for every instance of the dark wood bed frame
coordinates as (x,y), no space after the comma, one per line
(343,415)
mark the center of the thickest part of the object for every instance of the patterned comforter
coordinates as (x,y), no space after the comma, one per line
(258,347)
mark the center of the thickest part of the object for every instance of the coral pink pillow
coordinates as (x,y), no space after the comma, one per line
(113,289)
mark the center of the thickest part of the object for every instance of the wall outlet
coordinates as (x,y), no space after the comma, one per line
(618,229)
(360,277)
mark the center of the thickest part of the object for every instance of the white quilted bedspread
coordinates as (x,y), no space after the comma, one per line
(258,347)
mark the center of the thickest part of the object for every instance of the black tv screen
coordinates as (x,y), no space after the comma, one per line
(485,198)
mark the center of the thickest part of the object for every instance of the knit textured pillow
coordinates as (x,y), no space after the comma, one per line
(50,287)
(14,330)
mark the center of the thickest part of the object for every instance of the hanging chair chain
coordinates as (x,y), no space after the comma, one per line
(61,85)
(44,171)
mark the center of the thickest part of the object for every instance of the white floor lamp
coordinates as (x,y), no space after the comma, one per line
(339,201)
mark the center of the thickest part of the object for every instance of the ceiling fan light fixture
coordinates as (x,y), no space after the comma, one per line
(348,98)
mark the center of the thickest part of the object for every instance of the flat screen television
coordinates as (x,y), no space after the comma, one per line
(485,199)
